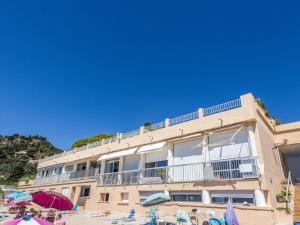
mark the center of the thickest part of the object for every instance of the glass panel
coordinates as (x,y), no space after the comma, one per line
(242,200)
(194,198)
(162,163)
(219,200)
(178,198)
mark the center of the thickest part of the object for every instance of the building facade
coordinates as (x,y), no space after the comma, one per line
(202,159)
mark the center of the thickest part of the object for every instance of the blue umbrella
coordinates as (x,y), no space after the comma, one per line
(156,199)
(16,195)
(24,198)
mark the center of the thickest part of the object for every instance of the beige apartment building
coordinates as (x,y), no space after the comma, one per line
(202,159)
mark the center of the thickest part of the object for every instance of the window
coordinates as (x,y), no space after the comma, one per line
(81,166)
(112,166)
(186,197)
(104,197)
(69,168)
(237,198)
(156,169)
(85,191)
(65,191)
(162,163)
(124,197)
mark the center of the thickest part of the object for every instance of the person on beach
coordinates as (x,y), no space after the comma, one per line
(21,212)
(40,214)
(51,216)
(59,220)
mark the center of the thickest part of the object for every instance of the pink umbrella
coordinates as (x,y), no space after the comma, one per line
(51,199)
(28,221)
(17,204)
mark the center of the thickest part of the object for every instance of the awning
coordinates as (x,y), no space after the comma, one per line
(153,147)
(117,154)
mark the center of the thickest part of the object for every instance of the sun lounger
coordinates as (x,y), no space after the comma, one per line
(182,217)
(131,217)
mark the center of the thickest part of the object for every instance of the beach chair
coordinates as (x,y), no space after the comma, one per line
(182,217)
(210,213)
(130,217)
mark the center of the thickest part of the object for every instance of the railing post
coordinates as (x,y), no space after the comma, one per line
(167,122)
(200,113)
(142,129)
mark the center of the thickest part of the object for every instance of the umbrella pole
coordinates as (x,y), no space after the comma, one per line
(52,202)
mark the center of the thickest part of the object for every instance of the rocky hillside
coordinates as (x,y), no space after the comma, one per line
(19,154)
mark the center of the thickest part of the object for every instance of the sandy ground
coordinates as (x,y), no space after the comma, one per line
(83,219)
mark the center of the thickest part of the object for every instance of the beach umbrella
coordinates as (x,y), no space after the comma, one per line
(156,198)
(51,199)
(28,220)
(230,214)
(24,198)
(18,204)
(16,195)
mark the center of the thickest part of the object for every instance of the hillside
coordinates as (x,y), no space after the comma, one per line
(18,154)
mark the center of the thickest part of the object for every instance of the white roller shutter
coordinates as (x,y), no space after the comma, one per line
(240,147)
(131,162)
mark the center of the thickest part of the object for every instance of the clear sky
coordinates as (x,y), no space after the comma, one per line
(71,69)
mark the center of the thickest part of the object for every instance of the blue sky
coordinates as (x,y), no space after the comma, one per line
(72,69)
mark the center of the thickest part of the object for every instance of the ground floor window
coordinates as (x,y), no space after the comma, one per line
(186,196)
(124,197)
(104,197)
(65,191)
(237,198)
(85,191)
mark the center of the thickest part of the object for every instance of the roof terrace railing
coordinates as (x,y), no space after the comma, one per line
(173,121)
(222,107)
(130,134)
(184,118)
(155,126)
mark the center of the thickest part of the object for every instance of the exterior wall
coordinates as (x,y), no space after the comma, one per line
(263,137)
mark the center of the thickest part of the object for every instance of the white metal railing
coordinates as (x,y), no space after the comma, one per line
(81,148)
(130,134)
(222,107)
(230,169)
(180,119)
(95,144)
(110,140)
(83,174)
(74,175)
(52,179)
(155,126)
(184,118)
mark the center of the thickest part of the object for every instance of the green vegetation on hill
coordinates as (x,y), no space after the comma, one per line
(95,138)
(19,155)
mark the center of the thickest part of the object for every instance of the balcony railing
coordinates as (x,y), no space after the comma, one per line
(131,133)
(231,169)
(83,174)
(76,175)
(184,118)
(154,126)
(52,179)
(180,119)
(222,107)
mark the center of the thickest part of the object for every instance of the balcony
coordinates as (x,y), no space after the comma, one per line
(70,176)
(231,169)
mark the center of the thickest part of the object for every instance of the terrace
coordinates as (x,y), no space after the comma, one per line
(229,169)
